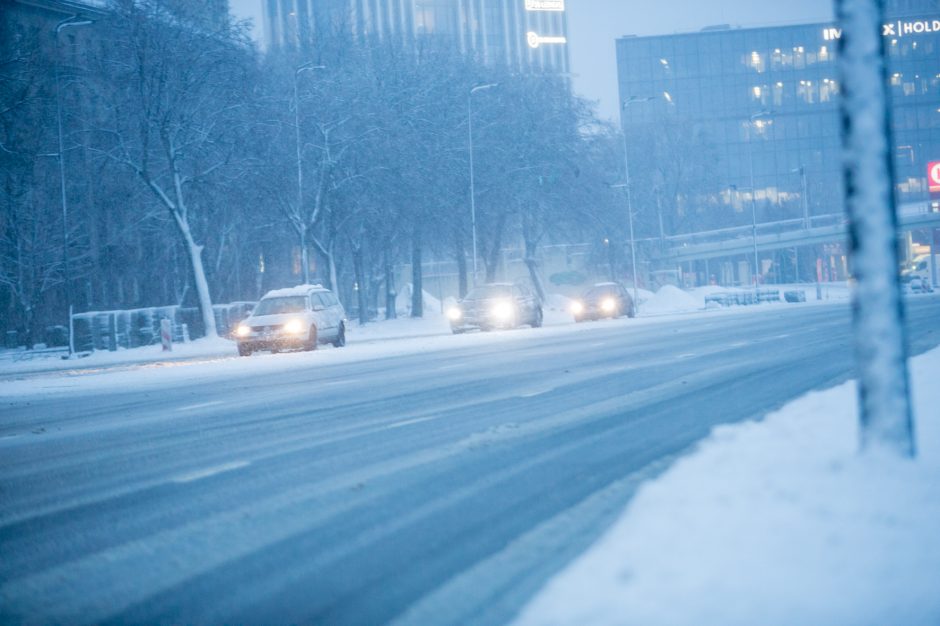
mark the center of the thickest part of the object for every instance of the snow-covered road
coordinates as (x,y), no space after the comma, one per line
(435,485)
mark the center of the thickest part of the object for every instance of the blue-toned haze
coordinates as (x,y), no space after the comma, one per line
(594,25)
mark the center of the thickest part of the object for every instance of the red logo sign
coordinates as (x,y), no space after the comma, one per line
(933,176)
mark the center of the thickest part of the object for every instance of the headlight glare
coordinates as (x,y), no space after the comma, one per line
(293,327)
(577,307)
(502,310)
(243,330)
(608,305)
(454,314)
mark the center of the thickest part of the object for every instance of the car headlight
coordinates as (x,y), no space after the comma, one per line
(577,307)
(454,314)
(502,310)
(608,305)
(293,327)
(243,330)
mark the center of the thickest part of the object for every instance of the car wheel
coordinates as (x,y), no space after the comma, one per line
(340,340)
(537,322)
(631,312)
(457,331)
(311,343)
(244,350)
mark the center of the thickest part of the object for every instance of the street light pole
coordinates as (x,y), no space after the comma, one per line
(66,260)
(750,162)
(473,206)
(304,261)
(626,184)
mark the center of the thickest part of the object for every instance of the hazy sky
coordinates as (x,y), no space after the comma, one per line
(594,25)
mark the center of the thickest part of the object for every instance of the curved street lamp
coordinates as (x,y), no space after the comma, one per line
(66,265)
(626,185)
(473,208)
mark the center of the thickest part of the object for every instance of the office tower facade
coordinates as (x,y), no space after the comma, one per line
(525,35)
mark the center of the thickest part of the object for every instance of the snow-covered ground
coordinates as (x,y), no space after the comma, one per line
(667,301)
(780,521)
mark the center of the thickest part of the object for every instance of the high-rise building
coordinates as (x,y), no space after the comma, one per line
(765,102)
(526,35)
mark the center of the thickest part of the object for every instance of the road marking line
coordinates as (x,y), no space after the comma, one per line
(210,471)
(202,405)
(416,420)
(538,392)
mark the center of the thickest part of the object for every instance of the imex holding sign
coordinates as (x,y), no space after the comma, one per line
(933,176)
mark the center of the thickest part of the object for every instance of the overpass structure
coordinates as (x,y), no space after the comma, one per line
(728,242)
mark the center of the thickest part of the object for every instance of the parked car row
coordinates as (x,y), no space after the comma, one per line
(301,318)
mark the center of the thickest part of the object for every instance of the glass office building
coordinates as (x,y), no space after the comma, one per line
(766,102)
(526,35)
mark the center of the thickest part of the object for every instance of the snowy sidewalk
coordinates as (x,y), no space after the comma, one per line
(773,522)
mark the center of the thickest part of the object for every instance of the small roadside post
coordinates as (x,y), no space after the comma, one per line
(166,335)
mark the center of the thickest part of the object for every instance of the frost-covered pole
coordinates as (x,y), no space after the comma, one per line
(868,171)
(626,185)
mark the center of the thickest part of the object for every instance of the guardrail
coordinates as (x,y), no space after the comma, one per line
(744,297)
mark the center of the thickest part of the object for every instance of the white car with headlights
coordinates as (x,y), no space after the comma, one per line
(496,305)
(298,318)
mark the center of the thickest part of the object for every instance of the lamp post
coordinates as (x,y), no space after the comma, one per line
(626,185)
(801,170)
(66,265)
(304,261)
(750,162)
(473,206)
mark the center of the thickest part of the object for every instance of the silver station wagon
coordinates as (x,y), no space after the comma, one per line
(298,318)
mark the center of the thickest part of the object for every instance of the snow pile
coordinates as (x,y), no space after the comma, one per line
(432,306)
(773,522)
(671,299)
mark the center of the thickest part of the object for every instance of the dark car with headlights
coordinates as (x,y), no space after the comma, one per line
(496,305)
(603,300)
(298,318)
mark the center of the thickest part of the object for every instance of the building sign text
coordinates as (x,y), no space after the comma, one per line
(544,5)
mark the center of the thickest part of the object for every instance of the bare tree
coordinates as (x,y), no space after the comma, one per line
(175,114)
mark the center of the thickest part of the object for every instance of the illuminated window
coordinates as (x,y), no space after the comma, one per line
(827,90)
(778,94)
(799,57)
(806,91)
(823,53)
(757,62)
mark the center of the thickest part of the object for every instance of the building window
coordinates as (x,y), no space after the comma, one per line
(757,62)
(806,91)
(828,90)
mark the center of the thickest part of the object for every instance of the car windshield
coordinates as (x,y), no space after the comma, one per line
(275,306)
(600,292)
(488,292)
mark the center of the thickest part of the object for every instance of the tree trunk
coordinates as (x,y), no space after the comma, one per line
(390,293)
(492,259)
(417,284)
(533,266)
(461,256)
(361,286)
(202,285)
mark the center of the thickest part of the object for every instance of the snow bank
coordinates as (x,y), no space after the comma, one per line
(671,299)
(773,522)
(432,306)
